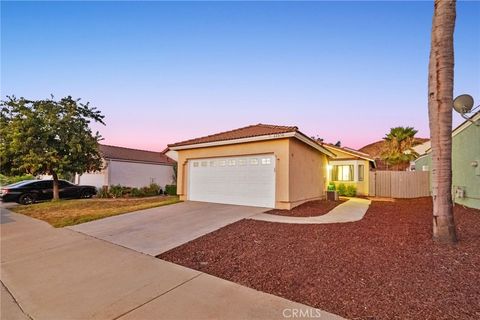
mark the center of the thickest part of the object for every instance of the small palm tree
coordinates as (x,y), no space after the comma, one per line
(398,146)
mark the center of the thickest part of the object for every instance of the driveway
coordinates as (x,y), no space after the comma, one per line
(156,230)
(49,273)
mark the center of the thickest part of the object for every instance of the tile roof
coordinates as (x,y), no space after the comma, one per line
(245,132)
(128,154)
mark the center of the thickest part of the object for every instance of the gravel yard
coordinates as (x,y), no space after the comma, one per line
(308,209)
(382,267)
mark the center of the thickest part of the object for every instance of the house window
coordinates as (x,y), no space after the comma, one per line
(266,161)
(242,162)
(254,162)
(203,163)
(212,163)
(342,173)
(361,172)
(195,164)
(222,163)
(231,162)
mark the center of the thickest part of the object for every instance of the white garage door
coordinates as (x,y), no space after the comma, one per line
(248,180)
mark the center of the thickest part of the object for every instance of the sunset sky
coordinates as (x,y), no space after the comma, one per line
(162,72)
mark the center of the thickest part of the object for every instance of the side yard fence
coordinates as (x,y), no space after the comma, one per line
(399,184)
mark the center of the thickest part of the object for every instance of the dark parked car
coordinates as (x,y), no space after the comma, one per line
(30,191)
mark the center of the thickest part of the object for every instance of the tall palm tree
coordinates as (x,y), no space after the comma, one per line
(398,146)
(440,101)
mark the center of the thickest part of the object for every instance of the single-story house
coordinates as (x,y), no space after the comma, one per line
(350,167)
(259,165)
(465,162)
(130,167)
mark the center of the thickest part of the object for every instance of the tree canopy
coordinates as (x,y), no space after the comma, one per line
(48,137)
(398,146)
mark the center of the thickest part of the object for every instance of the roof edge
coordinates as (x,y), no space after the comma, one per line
(294,134)
(351,153)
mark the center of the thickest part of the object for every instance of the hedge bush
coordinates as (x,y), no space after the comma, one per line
(119,191)
(171,190)
(347,191)
(351,191)
(342,189)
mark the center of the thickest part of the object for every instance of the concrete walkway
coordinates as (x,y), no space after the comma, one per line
(352,210)
(61,274)
(156,230)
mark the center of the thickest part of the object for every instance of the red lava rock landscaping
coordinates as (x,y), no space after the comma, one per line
(308,209)
(382,267)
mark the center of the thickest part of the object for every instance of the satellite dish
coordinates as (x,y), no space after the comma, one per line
(463,103)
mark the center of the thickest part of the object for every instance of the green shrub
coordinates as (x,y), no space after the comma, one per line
(103,193)
(351,191)
(171,190)
(135,192)
(342,189)
(117,191)
(331,187)
(152,190)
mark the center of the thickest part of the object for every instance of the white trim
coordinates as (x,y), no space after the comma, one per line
(297,135)
(466,124)
(421,157)
(460,128)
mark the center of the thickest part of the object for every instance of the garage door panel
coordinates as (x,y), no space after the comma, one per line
(233,180)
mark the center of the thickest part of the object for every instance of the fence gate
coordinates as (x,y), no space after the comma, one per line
(399,184)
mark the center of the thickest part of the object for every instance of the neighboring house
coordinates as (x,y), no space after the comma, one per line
(130,167)
(259,165)
(375,150)
(422,148)
(465,163)
(350,167)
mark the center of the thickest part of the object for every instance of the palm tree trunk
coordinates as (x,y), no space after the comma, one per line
(440,102)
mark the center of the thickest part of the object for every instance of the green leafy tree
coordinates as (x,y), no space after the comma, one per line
(48,137)
(398,146)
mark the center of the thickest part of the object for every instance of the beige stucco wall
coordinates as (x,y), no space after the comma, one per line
(308,168)
(277,147)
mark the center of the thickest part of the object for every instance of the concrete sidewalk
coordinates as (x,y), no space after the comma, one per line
(352,210)
(61,274)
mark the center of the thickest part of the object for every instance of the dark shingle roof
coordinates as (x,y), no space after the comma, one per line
(128,154)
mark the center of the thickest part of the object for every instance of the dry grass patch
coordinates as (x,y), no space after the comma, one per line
(70,212)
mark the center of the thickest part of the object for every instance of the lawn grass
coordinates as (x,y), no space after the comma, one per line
(70,212)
